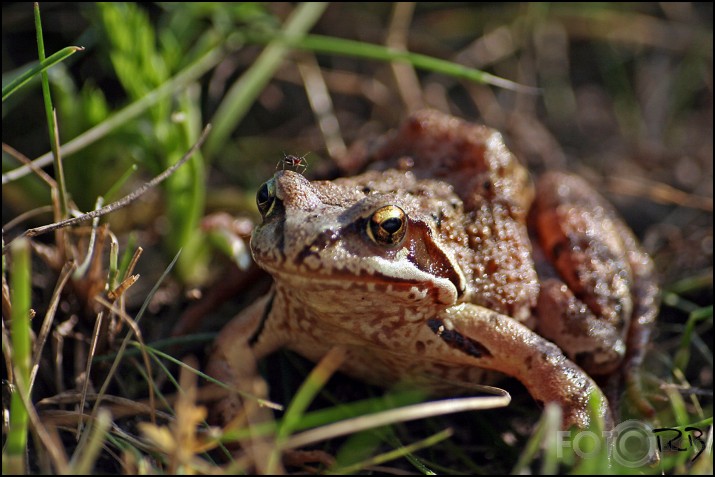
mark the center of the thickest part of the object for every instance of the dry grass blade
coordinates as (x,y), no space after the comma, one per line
(128,280)
(27,215)
(322,105)
(49,318)
(119,407)
(25,160)
(180,441)
(122,287)
(133,262)
(88,366)
(659,192)
(142,346)
(408,84)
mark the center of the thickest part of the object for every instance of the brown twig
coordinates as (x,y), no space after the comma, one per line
(123,202)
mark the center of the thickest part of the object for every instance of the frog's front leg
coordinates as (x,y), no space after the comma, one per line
(483,338)
(233,361)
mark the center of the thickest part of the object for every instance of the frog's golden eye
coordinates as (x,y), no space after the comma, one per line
(387,225)
(266,197)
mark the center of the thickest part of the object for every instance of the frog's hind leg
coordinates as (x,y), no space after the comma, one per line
(608,296)
(646,303)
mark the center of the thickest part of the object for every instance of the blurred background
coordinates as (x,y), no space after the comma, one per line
(620,93)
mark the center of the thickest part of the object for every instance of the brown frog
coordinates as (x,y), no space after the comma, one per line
(443,265)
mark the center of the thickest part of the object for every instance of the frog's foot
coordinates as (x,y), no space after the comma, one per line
(233,363)
(568,322)
(480,337)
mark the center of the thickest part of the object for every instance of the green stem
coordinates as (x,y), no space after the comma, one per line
(51,120)
(323,44)
(244,92)
(14,453)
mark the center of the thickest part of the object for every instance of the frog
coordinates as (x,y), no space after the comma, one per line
(443,265)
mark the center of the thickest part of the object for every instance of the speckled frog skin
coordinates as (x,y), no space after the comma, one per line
(444,264)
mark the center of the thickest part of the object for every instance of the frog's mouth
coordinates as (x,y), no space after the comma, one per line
(418,272)
(341,289)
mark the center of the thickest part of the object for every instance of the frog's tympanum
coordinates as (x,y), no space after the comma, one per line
(444,264)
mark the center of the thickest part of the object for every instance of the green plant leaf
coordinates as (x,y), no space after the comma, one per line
(37,69)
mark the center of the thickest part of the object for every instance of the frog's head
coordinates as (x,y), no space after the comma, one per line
(346,241)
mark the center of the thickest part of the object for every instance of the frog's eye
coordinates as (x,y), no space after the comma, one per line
(266,197)
(387,225)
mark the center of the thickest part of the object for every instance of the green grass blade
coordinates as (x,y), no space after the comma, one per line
(403,451)
(177,83)
(683,355)
(83,462)
(324,44)
(40,67)
(51,118)
(358,49)
(242,94)
(13,461)
(305,395)
(113,191)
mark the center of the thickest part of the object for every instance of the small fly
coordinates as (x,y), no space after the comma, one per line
(298,163)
